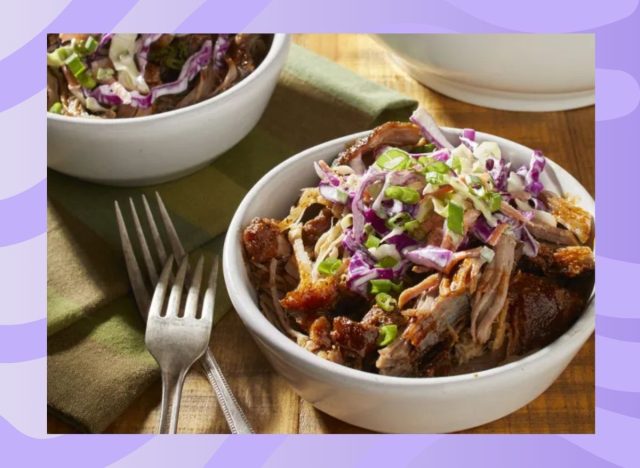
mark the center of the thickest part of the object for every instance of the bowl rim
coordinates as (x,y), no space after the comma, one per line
(279,46)
(254,319)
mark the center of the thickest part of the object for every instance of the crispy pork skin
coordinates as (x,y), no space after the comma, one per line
(358,337)
(554,260)
(574,260)
(263,240)
(574,218)
(540,310)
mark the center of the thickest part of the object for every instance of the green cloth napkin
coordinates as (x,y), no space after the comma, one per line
(97,362)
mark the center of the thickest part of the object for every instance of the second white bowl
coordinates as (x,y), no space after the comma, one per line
(157,148)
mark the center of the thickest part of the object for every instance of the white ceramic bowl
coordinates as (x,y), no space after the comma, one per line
(522,72)
(378,402)
(157,148)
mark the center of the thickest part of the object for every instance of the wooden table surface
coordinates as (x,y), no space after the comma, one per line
(566,407)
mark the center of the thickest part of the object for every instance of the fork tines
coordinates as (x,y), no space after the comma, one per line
(172,307)
(177,338)
(152,262)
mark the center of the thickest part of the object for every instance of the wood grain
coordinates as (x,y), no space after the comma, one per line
(566,407)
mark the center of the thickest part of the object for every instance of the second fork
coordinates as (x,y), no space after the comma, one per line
(178,337)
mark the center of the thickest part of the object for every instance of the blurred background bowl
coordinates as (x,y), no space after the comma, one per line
(520,72)
(153,149)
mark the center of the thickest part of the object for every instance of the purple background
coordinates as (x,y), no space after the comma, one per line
(23,239)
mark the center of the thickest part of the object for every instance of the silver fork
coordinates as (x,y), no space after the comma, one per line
(177,340)
(235,417)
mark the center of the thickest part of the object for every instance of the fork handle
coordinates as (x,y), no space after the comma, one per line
(170,407)
(236,419)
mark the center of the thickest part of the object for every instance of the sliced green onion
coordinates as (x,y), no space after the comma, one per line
(384,286)
(57,57)
(415,230)
(386,334)
(329,266)
(380,285)
(86,80)
(494,200)
(435,178)
(393,160)
(90,45)
(387,262)
(56,108)
(85,47)
(404,194)
(79,70)
(439,167)
(426,160)
(412,225)
(385,302)
(75,65)
(372,242)
(428,148)
(455,215)
(104,73)
(398,220)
